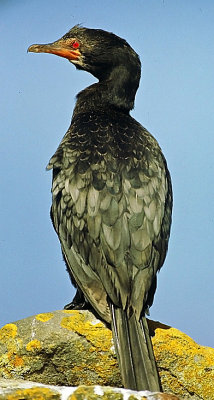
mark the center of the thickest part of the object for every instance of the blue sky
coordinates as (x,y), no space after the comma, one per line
(174,102)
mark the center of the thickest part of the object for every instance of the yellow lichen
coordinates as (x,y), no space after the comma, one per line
(90,393)
(44,317)
(69,311)
(99,342)
(186,360)
(8,331)
(33,345)
(96,334)
(82,393)
(36,393)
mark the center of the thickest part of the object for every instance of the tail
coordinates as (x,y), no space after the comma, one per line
(134,351)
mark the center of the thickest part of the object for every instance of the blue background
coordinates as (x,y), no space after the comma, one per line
(174,102)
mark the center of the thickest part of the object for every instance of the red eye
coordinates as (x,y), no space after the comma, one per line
(75,45)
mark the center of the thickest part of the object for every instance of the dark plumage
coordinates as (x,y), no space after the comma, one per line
(112,198)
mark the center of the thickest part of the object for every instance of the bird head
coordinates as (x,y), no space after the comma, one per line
(93,50)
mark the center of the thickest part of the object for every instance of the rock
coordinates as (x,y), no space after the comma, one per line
(59,348)
(26,390)
(185,368)
(74,348)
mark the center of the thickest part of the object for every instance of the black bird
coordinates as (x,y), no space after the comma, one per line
(112,198)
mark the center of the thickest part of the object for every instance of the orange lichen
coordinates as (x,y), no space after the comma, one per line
(44,317)
(18,361)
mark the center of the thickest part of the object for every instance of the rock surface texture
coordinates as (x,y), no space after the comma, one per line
(26,390)
(73,348)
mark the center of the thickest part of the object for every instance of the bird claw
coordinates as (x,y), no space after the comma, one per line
(78,303)
(77,306)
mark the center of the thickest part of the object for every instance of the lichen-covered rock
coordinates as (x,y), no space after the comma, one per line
(59,348)
(74,348)
(26,390)
(185,368)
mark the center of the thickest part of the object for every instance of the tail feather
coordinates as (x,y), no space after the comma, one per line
(134,351)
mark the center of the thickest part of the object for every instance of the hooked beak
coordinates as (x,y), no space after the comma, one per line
(61,47)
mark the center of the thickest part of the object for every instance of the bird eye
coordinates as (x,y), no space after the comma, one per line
(75,45)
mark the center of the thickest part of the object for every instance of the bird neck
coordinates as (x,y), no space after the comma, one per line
(117,90)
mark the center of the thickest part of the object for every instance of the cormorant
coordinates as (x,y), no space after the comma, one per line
(112,198)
